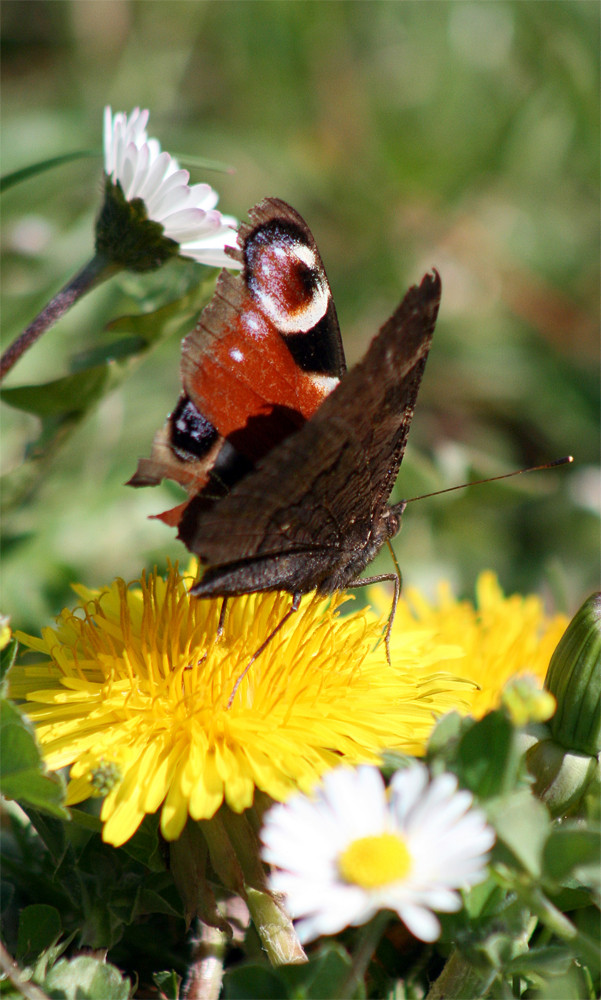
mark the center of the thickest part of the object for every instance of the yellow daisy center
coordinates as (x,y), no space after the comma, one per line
(371,862)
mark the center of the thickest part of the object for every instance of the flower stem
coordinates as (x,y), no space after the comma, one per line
(275,928)
(368,942)
(562,927)
(272,923)
(95,271)
(205,972)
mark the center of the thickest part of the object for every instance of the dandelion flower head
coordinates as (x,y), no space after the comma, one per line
(132,692)
(503,637)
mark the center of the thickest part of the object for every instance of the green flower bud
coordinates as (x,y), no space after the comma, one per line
(574,678)
(524,701)
(105,777)
(561,777)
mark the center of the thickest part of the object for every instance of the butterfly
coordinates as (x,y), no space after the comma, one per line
(287,458)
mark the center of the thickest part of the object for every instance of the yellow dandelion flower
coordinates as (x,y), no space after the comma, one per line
(503,637)
(133,691)
(5,632)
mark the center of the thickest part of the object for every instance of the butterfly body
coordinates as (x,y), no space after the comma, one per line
(293,460)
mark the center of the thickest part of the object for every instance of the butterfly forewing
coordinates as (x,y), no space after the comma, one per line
(321,492)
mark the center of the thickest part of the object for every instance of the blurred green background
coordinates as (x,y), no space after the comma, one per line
(409,135)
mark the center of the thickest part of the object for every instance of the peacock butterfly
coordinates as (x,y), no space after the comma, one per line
(287,459)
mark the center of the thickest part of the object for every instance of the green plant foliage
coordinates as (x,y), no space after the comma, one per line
(28,173)
(541,868)
(458,135)
(86,978)
(22,773)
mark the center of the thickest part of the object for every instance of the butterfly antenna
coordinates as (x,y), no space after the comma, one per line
(566,460)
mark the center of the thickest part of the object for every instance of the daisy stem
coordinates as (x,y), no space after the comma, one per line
(369,939)
(561,926)
(95,271)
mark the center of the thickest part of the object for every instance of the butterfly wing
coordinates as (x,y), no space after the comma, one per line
(311,510)
(264,355)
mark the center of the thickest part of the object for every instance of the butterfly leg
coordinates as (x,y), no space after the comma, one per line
(296,599)
(220,626)
(383,578)
(221,622)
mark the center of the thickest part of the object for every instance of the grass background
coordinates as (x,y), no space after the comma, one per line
(409,134)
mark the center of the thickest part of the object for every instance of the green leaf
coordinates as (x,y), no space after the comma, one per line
(522,824)
(153,901)
(86,978)
(483,898)
(574,677)
(22,773)
(571,898)
(588,922)
(71,394)
(7,895)
(488,757)
(247,982)
(49,957)
(446,733)
(85,820)
(146,846)
(170,320)
(26,173)
(572,985)
(51,831)
(572,849)
(168,983)
(323,975)
(546,961)
(39,928)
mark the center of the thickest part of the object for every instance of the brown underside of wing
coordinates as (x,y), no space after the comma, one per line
(324,485)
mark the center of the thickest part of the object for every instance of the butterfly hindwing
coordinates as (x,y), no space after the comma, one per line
(262,358)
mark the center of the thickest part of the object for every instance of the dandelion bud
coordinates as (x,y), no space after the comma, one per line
(574,678)
(563,760)
(561,777)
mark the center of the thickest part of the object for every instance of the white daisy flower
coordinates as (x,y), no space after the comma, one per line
(149,214)
(186,212)
(354,849)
